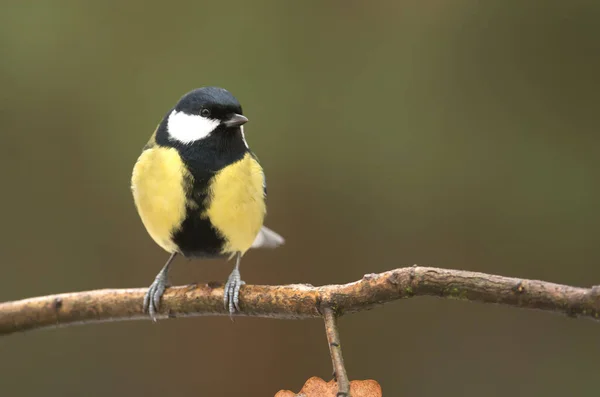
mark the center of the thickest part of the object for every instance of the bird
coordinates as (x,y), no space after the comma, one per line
(200,191)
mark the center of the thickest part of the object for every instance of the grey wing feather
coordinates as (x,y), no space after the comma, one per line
(267,238)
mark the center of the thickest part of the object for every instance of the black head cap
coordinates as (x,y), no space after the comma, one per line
(211,102)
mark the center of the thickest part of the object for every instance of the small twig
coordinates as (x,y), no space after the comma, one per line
(335,350)
(301,301)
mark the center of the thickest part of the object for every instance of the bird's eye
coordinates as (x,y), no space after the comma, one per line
(205,112)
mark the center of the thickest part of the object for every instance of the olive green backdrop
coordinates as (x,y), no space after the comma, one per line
(460,134)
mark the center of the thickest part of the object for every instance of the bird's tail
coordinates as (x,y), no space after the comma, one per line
(267,238)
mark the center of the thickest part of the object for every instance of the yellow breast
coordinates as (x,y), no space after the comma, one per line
(158,191)
(237,207)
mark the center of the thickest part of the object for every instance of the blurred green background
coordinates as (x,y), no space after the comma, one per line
(460,134)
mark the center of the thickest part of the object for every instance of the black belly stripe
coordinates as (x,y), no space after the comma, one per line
(197,237)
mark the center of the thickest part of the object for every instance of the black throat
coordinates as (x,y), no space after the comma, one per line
(205,157)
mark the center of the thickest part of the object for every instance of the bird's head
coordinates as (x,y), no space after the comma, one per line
(204,112)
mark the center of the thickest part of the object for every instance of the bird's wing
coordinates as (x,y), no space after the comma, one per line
(267,238)
(263,175)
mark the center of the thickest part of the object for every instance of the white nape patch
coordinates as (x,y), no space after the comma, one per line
(244,137)
(187,128)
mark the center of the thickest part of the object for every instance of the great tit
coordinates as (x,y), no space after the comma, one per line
(199,189)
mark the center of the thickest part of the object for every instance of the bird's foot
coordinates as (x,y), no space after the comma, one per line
(153,295)
(232,292)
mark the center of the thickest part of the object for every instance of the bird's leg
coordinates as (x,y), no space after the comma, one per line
(157,289)
(232,288)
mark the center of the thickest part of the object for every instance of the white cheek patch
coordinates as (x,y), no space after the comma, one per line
(244,137)
(187,128)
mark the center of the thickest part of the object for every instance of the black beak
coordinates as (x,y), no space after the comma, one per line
(235,120)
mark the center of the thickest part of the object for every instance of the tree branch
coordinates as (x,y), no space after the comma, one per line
(301,301)
(335,351)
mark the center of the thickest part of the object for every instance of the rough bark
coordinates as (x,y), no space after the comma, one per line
(302,301)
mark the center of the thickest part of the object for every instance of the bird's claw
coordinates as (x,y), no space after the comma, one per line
(232,292)
(153,295)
